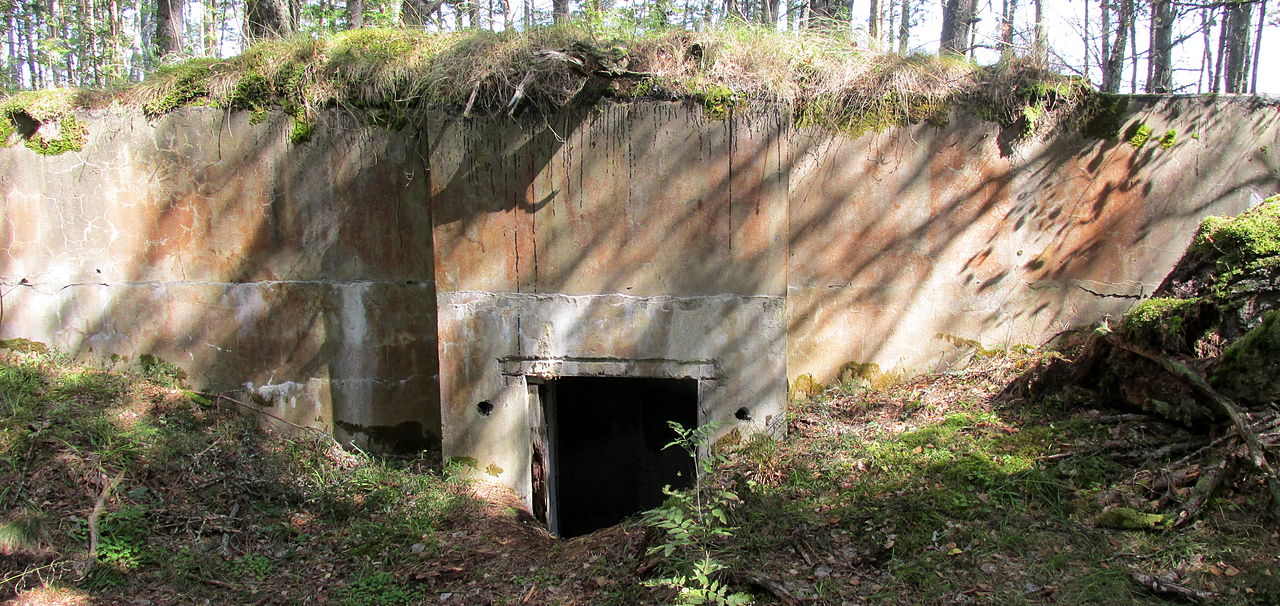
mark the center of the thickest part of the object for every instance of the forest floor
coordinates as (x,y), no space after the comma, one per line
(119,487)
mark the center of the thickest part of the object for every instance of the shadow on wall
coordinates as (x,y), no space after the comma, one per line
(308,275)
(299,276)
(881,247)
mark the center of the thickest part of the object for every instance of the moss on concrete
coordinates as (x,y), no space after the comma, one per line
(183,85)
(804,387)
(1138,134)
(28,116)
(1158,322)
(1250,236)
(1102,115)
(717,100)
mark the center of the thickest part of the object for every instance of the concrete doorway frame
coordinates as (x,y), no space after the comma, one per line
(530,374)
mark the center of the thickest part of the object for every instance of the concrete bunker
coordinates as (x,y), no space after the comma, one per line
(598,435)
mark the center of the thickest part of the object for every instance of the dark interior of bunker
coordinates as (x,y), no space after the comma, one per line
(607,440)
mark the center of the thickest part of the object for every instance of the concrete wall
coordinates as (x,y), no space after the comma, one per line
(299,276)
(636,237)
(899,240)
(645,232)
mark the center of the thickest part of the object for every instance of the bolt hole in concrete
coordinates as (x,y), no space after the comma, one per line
(606,437)
(485,408)
(743,414)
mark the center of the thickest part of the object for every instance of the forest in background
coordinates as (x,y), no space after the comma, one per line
(1194,46)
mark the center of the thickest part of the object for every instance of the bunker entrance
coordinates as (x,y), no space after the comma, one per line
(599,456)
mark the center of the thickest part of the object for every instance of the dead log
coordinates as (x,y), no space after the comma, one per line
(1256,453)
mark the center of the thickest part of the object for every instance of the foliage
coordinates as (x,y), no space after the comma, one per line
(184,484)
(377,588)
(693,521)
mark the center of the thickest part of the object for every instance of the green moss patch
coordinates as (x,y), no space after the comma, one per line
(1250,236)
(1250,368)
(25,115)
(1127,518)
(1158,321)
(1138,135)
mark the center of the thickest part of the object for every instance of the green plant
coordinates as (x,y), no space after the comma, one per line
(378,588)
(694,520)
(161,371)
(1139,135)
(123,541)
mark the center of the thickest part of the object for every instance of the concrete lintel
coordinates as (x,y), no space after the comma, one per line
(549,368)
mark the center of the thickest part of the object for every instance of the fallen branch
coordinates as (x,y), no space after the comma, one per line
(1256,452)
(99,505)
(257,409)
(1210,480)
(1165,587)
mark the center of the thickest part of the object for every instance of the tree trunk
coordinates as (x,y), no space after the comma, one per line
(769,12)
(1160,67)
(1257,45)
(873,23)
(355,13)
(1007,15)
(957,20)
(559,10)
(1040,48)
(471,9)
(1105,34)
(269,18)
(1206,58)
(1113,72)
(1133,55)
(1222,51)
(1236,30)
(169,19)
(820,13)
(904,27)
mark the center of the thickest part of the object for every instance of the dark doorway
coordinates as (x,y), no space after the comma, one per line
(604,439)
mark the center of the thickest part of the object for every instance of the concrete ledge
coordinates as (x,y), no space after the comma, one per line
(550,368)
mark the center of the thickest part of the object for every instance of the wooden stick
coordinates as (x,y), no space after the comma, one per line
(257,409)
(1165,587)
(98,505)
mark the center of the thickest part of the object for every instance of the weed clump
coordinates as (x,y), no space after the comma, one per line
(1139,134)
(124,483)
(821,75)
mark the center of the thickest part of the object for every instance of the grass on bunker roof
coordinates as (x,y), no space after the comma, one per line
(386,74)
(930,491)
